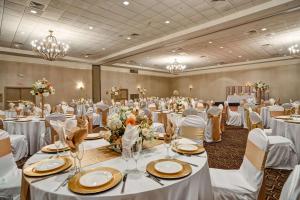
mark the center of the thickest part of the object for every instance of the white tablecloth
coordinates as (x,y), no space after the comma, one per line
(34,131)
(239,98)
(288,130)
(197,186)
(265,116)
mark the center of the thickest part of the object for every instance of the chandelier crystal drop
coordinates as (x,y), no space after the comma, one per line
(176,67)
(49,48)
(294,50)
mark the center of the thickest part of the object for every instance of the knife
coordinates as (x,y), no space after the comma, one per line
(154,179)
(124,182)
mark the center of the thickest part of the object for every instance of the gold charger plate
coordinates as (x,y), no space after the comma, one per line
(45,149)
(29,171)
(93,138)
(283,117)
(75,186)
(200,149)
(187,170)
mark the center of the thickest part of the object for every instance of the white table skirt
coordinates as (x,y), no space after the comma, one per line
(288,130)
(197,186)
(266,117)
(33,130)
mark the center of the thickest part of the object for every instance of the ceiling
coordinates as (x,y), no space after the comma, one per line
(113,23)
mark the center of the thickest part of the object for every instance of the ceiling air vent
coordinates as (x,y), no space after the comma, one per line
(252,32)
(134,71)
(217,0)
(36,5)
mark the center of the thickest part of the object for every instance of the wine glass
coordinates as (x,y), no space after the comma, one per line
(79,155)
(73,155)
(126,155)
(57,144)
(168,140)
(136,150)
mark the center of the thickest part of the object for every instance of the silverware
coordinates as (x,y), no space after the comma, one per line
(148,174)
(190,163)
(50,176)
(124,182)
(63,183)
(154,179)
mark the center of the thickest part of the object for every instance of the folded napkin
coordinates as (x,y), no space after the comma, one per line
(76,137)
(130,136)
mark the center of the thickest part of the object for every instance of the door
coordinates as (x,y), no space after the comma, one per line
(17,94)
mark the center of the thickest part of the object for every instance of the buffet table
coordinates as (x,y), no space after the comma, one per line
(289,130)
(196,186)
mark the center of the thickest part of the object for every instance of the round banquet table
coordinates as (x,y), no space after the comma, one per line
(289,130)
(196,186)
(10,114)
(266,117)
(34,130)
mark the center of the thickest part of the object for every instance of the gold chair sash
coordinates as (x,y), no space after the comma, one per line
(216,127)
(256,155)
(247,118)
(5,147)
(290,111)
(192,133)
(162,118)
(152,109)
(90,123)
(257,125)
(53,133)
(276,113)
(103,114)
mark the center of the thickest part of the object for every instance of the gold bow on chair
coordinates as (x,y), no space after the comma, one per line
(103,114)
(216,127)
(193,133)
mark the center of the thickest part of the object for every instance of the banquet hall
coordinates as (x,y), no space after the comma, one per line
(149,99)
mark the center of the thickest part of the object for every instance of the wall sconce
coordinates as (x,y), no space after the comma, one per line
(80,85)
(191,87)
(138,87)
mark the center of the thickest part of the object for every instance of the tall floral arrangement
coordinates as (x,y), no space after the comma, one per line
(114,91)
(261,85)
(42,88)
(142,91)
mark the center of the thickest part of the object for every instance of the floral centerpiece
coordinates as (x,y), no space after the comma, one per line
(142,91)
(261,85)
(42,88)
(178,106)
(117,123)
(260,88)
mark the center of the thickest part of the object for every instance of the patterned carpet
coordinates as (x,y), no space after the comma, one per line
(228,154)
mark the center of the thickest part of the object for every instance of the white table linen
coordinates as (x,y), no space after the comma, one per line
(34,131)
(197,186)
(265,116)
(239,98)
(288,130)
(10,114)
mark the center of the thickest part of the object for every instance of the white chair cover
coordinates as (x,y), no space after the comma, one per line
(10,175)
(276,108)
(245,182)
(190,111)
(233,118)
(102,105)
(208,130)
(193,121)
(287,105)
(282,153)
(291,188)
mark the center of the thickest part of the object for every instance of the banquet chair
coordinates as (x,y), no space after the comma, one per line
(152,107)
(70,110)
(245,182)
(289,109)
(232,118)
(161,124)
(291,188)
(193,127)
(10,175)
(103,114)
(213,128)
(282,153)
(51,135)
(19,145)
(189,111)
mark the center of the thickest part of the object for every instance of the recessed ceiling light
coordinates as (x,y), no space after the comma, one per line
(210,42)
(126,3)
(264,29)
(91,28)
(240,56)
(33,11)
(103,49)
(86,56)
(221,47)
(22,32)
(167,22)
(128,38)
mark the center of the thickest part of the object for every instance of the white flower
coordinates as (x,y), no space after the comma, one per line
(45,94)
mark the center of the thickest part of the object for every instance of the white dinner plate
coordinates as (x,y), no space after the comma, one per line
(49,164)
(95,178)
(187,147)
(168,167)
(53,147)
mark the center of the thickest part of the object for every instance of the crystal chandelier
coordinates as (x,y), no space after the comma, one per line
(176,67)
(49,48)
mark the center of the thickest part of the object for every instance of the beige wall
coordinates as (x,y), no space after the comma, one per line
(63,79)
(284,82)
(156,86)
